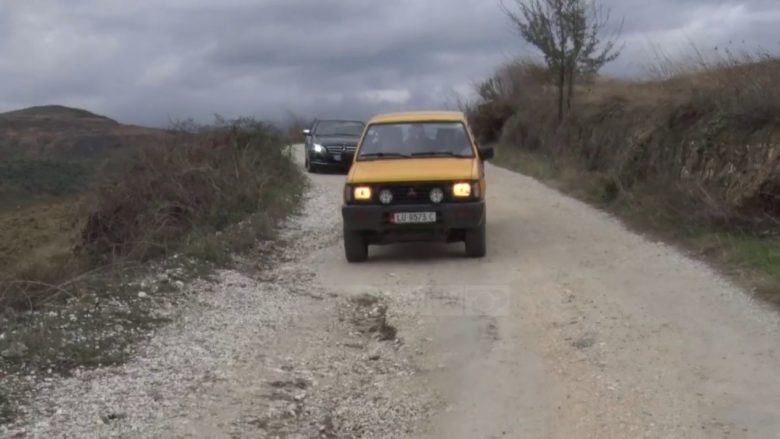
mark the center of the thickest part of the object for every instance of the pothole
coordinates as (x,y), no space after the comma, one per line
(369,316)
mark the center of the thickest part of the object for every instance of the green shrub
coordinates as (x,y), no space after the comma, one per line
(43,177)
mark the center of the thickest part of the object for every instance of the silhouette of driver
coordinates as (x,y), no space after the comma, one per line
(418,140)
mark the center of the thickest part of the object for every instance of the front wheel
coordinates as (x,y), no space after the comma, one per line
(355,246)
(476,241)
(310,167)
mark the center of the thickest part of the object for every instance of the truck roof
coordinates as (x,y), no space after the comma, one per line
(420,116)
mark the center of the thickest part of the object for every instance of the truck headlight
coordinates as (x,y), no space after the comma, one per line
(461,190)
(362,193)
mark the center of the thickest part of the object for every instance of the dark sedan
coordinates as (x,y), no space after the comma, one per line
(332,143)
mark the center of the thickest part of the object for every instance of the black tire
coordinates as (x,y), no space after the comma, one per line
(355,247)
(476,241)
(310,167)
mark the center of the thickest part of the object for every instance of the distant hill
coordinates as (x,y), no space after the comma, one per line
(54,150)
(54,132)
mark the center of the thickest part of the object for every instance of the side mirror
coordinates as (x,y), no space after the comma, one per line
(486,152)
(307,132)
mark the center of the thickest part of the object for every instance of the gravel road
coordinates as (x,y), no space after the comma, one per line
(572,326)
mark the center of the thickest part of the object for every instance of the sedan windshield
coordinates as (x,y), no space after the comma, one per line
(422,139)
(339,128)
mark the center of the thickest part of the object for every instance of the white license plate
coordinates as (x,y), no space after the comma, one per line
(337,157)
(414,217)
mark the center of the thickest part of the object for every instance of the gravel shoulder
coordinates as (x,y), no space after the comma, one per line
(572,326)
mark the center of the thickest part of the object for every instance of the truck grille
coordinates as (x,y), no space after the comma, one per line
(415,193)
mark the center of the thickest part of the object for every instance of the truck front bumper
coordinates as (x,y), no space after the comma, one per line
(452,220)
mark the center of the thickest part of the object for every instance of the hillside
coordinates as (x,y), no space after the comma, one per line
(54,150)
(60,133)
(50,157)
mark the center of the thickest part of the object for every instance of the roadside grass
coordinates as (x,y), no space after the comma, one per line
(748,254)
(90,276)
(89,329)
(37,241)
(97,325)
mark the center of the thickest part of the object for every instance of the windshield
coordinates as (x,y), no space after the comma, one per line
(432,139)
(339,128)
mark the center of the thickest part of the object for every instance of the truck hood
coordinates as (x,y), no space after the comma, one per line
(417,170)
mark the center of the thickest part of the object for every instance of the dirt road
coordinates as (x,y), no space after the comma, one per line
(572,326)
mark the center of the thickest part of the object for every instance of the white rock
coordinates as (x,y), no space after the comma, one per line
(142,295)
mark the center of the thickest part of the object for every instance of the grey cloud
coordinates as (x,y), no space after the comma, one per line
(150,61)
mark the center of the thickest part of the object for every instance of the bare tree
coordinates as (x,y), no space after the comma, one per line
(587,21)
(568,33)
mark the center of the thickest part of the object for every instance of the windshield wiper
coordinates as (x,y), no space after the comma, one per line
(381,154)
(440,153)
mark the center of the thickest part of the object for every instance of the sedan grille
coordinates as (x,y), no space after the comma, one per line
(340,148)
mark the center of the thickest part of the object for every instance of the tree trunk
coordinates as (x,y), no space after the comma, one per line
(561,91)
(570,87)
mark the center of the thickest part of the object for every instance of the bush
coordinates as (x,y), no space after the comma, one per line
(202,183)
(519,84)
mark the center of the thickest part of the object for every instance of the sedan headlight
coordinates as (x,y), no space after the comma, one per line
(319,149)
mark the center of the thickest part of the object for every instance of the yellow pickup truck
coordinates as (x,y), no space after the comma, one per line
(416,177)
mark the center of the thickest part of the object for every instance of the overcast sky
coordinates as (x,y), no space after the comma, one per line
(151,61)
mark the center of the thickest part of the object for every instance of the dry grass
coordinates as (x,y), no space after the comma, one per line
(36,249)
(199,183)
